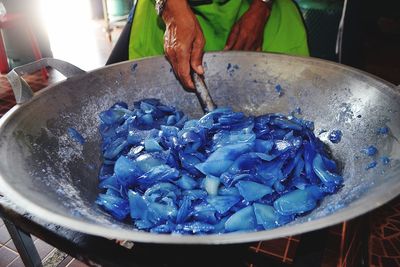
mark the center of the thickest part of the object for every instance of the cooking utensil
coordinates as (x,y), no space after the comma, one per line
(53,177)
(202,93)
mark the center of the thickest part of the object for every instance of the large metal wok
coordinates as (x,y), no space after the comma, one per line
(54,178)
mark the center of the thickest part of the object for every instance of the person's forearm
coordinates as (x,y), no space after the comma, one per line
(263,7)
(173,8)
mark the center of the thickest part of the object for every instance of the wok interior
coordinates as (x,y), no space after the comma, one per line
(47,168)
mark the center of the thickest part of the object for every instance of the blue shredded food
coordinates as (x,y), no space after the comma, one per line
(385,160)
(221,173)
(371,165)
(383,130)
(335,136)
(278,89)
(75,135)
(370,151)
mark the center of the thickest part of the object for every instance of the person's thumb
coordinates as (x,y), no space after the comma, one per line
(196,57)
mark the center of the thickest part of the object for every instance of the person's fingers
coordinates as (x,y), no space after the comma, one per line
(233,35)
(249,45)
(240,43)
(258,44)
(171,56)
(177,57)
(196,58)
(183,67)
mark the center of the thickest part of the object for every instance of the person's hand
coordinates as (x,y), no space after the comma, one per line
(248,32)
(183,41)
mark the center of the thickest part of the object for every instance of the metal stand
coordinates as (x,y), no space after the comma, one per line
(99,251)
(24,244)
(311,249)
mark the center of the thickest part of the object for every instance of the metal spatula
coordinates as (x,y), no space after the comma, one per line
(202,93)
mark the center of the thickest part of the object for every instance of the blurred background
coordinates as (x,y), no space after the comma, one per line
(363,34)
(79,31)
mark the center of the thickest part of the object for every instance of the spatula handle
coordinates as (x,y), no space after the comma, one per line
(203,94)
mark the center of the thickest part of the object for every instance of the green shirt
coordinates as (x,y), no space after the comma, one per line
(283,33)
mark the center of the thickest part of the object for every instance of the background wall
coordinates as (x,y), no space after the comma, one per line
(17,44)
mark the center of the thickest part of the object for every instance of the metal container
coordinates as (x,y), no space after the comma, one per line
(54,178)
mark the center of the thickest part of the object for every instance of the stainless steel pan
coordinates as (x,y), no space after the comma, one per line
(54,178)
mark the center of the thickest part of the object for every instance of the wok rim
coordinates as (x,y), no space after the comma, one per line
(383,193)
